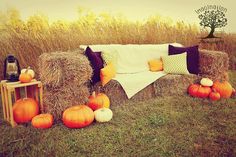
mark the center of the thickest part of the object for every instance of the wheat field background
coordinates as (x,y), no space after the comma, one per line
(27,39)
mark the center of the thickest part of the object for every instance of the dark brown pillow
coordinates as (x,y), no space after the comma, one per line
(96,63)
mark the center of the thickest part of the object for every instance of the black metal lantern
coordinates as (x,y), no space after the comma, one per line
(11,68)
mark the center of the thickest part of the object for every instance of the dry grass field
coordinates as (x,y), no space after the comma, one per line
(28,39)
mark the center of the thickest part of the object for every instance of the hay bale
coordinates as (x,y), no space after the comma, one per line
(171,84)
(59,68)
(213,64)
(118,96)
(65,77)
(56,100)
(165,86)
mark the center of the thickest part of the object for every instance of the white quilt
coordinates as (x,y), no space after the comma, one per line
(132,64)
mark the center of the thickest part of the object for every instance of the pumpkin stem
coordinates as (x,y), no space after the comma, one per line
(28,68)
(94,94)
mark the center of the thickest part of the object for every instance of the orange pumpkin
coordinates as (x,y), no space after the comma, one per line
(197,90)
(25,109)
(99,100)
(78,116)
(25,77)
(224,88)
(42,121)
(214,96)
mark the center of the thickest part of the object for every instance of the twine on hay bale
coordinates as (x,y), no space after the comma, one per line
(65,77)
(58,68)
(213,64)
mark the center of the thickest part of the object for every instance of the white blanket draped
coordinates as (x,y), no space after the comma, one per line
(132,64)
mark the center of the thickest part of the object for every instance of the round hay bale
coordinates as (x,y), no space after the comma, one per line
(59,68)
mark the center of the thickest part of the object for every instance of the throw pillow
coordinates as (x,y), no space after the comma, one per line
(107,73)
(109,57)
(155,65)
(96,63)
(175,64)
(192,56)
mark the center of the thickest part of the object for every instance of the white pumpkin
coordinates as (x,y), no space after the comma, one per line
(30,71)
(206,82)
(103,114)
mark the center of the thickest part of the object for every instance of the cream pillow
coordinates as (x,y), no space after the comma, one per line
(109,57)
(175,64)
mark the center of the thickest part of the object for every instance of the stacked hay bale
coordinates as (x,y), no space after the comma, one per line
(173,84)
(168,85)
(65,77)
(117,95)
(213,64)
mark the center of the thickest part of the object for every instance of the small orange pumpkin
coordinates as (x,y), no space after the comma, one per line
(78,116)
(29,70)
(224,88)
(42,121)
(214,95)
(99,100)
(25,109)
(25,77)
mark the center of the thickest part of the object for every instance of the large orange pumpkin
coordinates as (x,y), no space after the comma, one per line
(42,121)
(197,90)
(224,88)
(25,109)
(78,116)
(99,100)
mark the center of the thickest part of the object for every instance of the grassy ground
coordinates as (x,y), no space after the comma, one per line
(168,126)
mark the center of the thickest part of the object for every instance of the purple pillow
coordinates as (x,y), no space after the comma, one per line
(96,63)
(192,56)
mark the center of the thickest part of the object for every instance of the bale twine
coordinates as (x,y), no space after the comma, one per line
(213,64)
(59,68)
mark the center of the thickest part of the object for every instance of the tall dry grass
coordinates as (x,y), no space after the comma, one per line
(28,39)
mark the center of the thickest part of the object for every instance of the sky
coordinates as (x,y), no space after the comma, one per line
(183,10)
